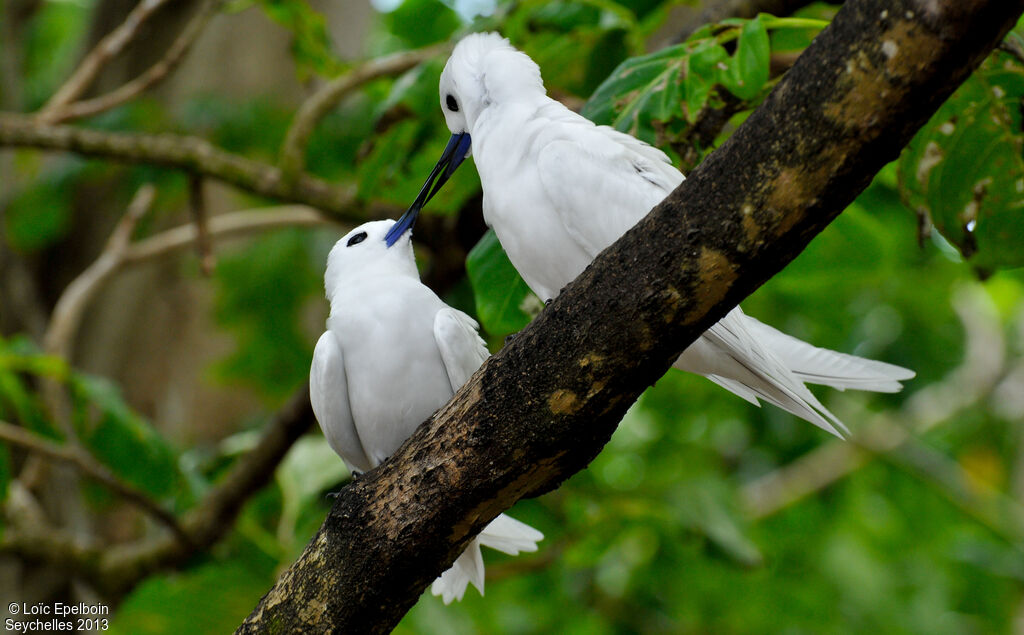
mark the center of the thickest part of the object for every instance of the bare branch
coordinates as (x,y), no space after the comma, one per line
(76,456)
(238,223)
(122,567)
(103,52)
(191,154)
(153,75)
(718,10)
(115,570)
(293,149)
(67,314)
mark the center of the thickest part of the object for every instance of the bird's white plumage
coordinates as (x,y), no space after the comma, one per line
(392,354)
(559,189)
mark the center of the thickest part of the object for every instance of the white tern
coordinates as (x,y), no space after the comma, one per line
(558,189)
(392,354)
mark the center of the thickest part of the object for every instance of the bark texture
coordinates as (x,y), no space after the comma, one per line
(543,407)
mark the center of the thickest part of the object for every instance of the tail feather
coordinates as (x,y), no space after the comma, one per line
(737,354)
(508,535)
(505,534)
(829,368)
(468,567)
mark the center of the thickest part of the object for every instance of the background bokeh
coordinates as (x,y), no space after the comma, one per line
(703,513)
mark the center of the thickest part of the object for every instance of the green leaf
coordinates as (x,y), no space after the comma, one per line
(701,73)
(310,467)
(122,439)
(636,92)
(748,68)
(965,166)
(654,97)
(19,403)
(503,301)
(213,597)
(422,22)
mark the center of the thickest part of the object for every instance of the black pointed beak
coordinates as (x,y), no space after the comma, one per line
(454,153)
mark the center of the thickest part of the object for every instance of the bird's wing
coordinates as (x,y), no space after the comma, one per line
(328,392)
(462,349)
(602,182)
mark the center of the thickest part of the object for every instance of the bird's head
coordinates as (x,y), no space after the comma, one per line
(364,250)
(484,69)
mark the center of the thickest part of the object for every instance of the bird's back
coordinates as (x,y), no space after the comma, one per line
(558,189)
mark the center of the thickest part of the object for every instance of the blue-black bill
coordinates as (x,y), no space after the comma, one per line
(452,157)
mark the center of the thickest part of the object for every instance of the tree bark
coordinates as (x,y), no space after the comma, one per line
(543,407)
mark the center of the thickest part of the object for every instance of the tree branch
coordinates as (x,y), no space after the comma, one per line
(316,107)
(105,50)
(191,154)
(76,456)
(115,570)
(530,418)
(719,10)
(62,107)
(123,566)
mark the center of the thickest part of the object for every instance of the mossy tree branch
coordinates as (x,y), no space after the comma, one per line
(542,408)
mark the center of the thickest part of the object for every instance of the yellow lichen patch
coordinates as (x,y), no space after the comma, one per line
(672,300)
(869,94)
(871,91)
(591,359)
(792,190)
(596,387)
(312,611)
(751,229)
(563,402)
(717,274)
(912,49)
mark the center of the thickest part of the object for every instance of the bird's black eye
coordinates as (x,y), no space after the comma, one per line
(451,103)
(355,240)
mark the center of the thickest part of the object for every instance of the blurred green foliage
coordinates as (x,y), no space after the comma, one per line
(658,534)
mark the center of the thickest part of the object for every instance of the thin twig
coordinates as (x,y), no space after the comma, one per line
(67,314)
(153,75)
(238,223)
(76,456)
(117,569)
(324,100)
(124,566)
(103,52)
(197,205)
(187,153)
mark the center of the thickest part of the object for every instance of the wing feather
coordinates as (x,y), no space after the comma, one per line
(462,349)
(602,182)
(328,392)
